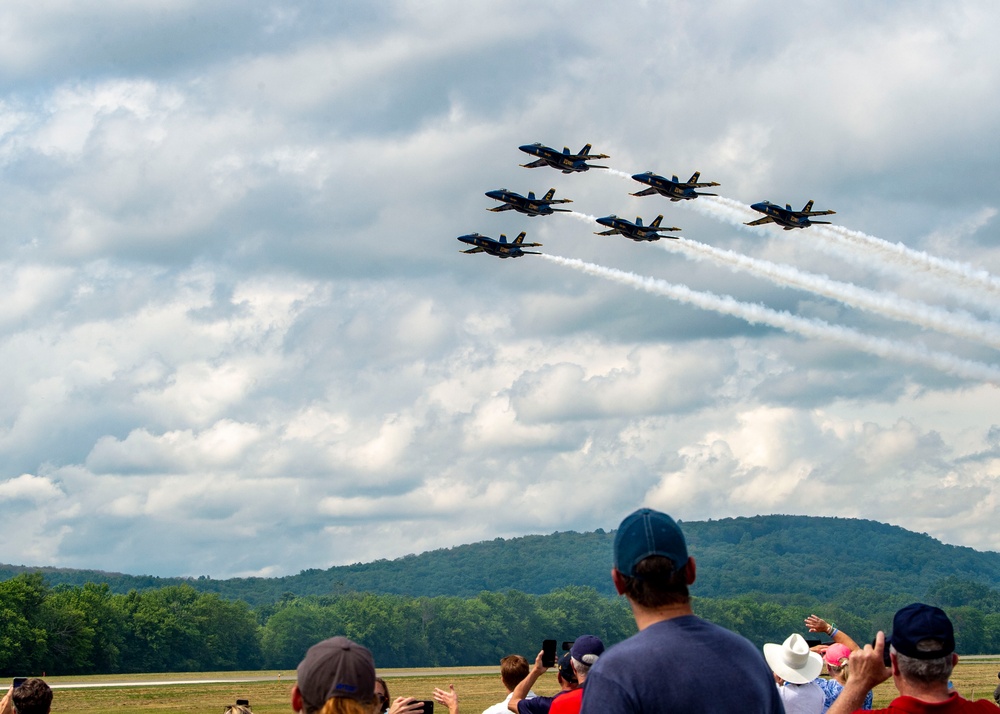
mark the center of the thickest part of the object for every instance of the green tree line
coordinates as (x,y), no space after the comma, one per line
(782,556)
(88,629)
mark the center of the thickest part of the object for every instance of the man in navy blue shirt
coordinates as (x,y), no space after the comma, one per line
(677,662)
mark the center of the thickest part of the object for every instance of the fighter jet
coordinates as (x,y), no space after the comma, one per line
(565,161)
(636,231)
(531,206)
(786,217)
(672,188)
(500,248)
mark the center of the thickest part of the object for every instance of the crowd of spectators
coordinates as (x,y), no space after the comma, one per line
(676,662)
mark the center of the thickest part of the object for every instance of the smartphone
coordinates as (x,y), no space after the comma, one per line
(810,643)
(243,702)
(549,653)
(567,646)
(886,659)
(428,706)
(18,681)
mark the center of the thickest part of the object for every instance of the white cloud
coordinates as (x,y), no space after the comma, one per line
(238,336)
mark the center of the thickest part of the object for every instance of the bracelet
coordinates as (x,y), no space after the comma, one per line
(833,631)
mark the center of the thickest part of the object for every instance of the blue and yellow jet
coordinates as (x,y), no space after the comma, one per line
(786,217)
(636,231)
(566,162)
(530,206)
(672,188)
(500,248)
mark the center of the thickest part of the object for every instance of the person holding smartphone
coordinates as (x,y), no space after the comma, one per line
(31,696)
(519,703)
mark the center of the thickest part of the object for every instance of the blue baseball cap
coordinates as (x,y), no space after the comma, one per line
(566,670)
(647,532)
(918,622)
(586,649)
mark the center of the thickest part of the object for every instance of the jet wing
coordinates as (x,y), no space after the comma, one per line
(505,207)
(612,232)
(761,221)
(477,249)
(645,192)
(816,213)
(554,201)
(531,252)
(702,185)
(536,164)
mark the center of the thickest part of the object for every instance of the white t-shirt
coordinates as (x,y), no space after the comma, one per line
(802,698)
(501,707)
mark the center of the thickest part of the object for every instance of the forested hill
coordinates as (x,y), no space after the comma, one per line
(778,556)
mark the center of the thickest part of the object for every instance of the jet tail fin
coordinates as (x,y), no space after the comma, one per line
(548,196)
(808,207)
(517,241)
(656,221)
(694,177)
(585,150)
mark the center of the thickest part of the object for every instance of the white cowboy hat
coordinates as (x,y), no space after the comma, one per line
(792,660)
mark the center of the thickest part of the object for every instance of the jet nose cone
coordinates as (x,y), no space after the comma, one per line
(528,148)
(494,194)
(758,206)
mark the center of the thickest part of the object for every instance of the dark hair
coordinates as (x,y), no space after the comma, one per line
(513,669)
(384,704)
(32,697)
(656,583)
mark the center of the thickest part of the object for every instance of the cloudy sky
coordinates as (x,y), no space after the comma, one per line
(238,336)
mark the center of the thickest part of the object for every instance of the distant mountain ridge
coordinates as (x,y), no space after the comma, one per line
(778,556)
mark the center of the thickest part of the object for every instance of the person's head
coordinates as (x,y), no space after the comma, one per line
(652,567)
(566,676)
(836,658)
(32,697)
(382,694)
(793,661)
(238,709)
(513,669)
(922,644)
(584,653)
(336,676)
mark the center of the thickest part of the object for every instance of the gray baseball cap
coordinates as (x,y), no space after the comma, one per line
(336,667)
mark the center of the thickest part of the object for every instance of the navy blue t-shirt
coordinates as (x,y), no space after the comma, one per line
(684,664)
(536,705)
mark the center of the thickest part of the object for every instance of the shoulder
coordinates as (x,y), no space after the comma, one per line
(568,703)
(535,705)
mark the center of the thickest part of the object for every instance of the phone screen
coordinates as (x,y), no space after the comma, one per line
(549,653)
(18,681)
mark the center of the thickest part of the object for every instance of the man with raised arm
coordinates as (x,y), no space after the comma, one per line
(922,656)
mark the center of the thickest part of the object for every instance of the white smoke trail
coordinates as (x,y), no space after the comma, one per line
(963,272)
(758,314)
(619,174)
(959,323)
(966,288)
(582,216)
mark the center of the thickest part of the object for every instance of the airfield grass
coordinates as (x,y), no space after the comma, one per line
(974,678)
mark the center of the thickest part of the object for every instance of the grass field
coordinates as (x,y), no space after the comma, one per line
(478,687)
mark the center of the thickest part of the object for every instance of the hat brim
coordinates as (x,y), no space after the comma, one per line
(811,670)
